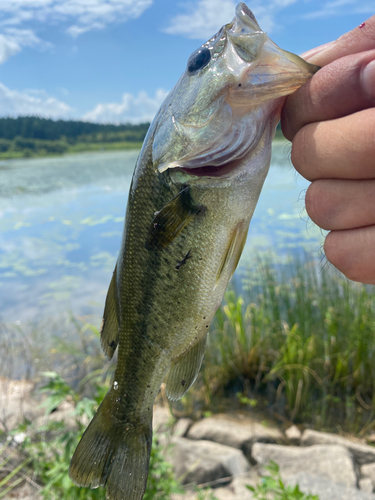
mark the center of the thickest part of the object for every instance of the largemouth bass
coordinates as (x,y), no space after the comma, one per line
(194,189)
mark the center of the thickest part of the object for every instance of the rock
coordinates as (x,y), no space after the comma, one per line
(331,462)
(161,419)
(182,426)
(366,484)
(202,462)
(368,470)
(237,488)
(293,435)
(63,413)
(17,403)
(327,490)
(362,453)
(235,432)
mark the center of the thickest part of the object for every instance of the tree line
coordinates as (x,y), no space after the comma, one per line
(35,136)
(34,127)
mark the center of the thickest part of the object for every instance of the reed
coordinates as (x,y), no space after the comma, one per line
(299,339)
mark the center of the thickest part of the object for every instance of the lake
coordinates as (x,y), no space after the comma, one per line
(61,222)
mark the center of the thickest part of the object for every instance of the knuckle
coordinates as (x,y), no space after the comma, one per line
(335,252)
(320,204)
(298,148)
(348,252)
(313,203)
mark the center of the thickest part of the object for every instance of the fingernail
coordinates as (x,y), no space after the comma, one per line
(368,79)
(317,50)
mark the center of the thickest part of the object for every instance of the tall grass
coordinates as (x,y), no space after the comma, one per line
(299,339)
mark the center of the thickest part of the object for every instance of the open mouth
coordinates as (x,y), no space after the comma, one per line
(211,170)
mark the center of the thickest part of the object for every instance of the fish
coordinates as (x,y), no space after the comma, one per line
(193,192)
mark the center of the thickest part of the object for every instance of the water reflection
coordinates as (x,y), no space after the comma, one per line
(61,222)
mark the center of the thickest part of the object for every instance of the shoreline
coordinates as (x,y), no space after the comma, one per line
(87,148)
(76,149)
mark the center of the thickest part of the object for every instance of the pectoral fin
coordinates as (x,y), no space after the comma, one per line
(233,252)
(184,370)
(109,333)
(171,220)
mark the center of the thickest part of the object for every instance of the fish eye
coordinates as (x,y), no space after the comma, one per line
(198,60)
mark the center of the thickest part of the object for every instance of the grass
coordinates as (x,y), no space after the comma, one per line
(44,455)
(299,342)
(296,342)
(272,487)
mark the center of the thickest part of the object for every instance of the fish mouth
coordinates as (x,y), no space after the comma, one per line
(211,171)
(258,76)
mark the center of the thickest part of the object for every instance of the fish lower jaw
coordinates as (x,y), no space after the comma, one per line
(210,171)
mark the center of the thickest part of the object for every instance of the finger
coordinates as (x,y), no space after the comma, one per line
(341,204)
(361,38)
(341,88)
(337,149)
(352,252)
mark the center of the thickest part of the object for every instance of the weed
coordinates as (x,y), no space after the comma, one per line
(11,478)
(273,487)
(299,340)
(49,448)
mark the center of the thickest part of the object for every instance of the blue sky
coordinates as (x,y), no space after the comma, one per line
(115,60)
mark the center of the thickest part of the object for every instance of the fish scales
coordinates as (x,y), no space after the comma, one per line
(194,190)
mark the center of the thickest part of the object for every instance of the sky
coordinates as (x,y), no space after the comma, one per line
(114,61)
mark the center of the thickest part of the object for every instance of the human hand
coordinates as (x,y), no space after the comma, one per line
(331,123)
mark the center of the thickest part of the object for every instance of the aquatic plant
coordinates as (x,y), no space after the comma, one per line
(299,339)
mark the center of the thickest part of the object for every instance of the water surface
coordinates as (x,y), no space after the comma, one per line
(61,221)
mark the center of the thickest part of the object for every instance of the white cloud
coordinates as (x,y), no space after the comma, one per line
(341,8)
(131,109)
(31,102)
(207,16)
(12,40)
(81,15)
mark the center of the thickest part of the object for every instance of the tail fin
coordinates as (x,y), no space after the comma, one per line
(114,454)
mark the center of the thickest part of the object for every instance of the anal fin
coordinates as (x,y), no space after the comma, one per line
(184,370)
(109,332)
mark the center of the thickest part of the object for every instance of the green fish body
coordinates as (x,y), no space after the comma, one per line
(195,187)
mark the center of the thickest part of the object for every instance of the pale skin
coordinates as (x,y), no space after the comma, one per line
(331,123)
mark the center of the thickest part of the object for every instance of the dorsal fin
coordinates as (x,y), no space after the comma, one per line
(184,370)
(171,220)
(109,332)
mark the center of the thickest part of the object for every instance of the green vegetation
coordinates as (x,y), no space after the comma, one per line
(31,136)
(272,487)
(44,455)
(49,449)
(298,343)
